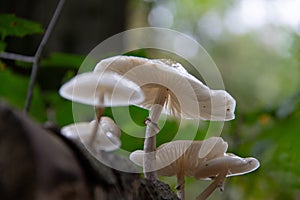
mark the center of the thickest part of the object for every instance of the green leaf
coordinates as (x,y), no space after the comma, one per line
(10,25)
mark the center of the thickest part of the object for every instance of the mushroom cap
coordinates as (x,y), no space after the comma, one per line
(212,147)
(179,155)
(107,138)
(88,87)
(234,165)
(188,97)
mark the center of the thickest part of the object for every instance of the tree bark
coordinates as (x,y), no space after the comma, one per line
(36,163)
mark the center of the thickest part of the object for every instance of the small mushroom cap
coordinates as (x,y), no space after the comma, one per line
(188,97)
(172,157)
(234,165)
(88,87)
(107,138)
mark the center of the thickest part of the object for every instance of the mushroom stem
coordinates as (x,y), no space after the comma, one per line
(95,129)
(180,183)
(149,163)
(99,112)
(218,182)
(180,188)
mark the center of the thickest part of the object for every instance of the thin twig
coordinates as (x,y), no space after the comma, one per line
(37,56)
(14,56)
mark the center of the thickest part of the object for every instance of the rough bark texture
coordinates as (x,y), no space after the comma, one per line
(40,164)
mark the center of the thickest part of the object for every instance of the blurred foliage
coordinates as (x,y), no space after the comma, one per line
(10,25)
(264,79)
(14,91)
(261,70)
(64,60)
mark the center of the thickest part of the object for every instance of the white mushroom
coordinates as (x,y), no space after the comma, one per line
(107,137)
(101,90)
(221,167)
(180,158)
(169,89)
(153,75)
(234,165)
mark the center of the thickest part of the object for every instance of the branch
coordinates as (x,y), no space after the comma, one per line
(37,56)
(14,56)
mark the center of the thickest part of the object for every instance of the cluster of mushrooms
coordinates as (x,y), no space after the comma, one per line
(162,86)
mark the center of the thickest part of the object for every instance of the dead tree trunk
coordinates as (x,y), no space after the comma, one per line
(39,164)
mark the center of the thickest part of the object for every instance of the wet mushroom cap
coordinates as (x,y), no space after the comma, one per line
(234,165)
(172,156)
(187,96)
(88,88)
(107,138)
